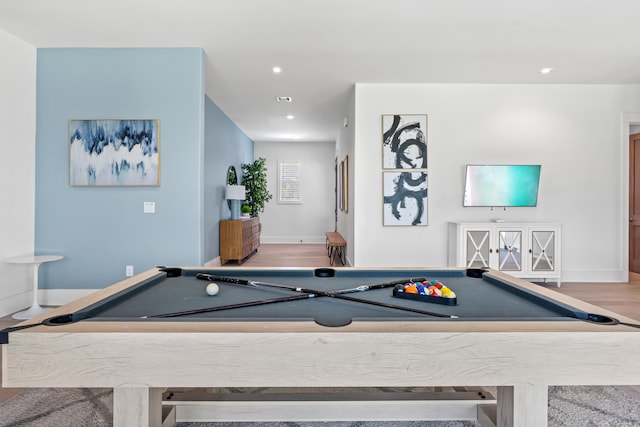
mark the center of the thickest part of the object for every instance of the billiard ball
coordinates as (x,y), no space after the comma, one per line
(212,289)
(412,289)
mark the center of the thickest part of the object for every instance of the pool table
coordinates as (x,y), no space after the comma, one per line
(161,330)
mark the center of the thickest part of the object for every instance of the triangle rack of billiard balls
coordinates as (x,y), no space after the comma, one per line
(428,291)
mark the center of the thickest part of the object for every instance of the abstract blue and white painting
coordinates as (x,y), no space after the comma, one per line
(114,152)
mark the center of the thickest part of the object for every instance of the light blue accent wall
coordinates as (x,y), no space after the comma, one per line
(225,145)
(101,230)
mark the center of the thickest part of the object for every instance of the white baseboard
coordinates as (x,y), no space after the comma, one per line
(14,303)
(593,276)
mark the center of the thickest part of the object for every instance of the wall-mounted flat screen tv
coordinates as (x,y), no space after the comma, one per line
(501,185)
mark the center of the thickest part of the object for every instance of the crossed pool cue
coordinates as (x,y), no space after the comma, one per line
(304,293)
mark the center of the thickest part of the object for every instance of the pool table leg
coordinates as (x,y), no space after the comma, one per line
(137,406)
(522,405)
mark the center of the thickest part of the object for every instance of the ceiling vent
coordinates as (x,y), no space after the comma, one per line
(284,99)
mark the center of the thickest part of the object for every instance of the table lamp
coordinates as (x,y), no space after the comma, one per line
(235,193)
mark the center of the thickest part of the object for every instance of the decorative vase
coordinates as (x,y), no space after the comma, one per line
(234,194)
(235,209)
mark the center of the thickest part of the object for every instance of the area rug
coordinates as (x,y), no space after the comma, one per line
(576,406)
(59,407)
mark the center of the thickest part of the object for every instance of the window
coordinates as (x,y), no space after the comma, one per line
(289,183)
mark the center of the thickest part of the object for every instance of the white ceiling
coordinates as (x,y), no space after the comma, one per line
(326,46)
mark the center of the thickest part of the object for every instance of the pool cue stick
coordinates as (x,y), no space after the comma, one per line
(276,300)
(231,306)
(211,277)
(363,288)
(633,325)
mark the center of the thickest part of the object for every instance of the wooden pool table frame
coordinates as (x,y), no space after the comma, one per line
(139,360)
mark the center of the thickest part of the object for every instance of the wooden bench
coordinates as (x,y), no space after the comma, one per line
(336,247)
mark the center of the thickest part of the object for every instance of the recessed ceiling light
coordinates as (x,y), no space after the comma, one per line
(290,117)
(546,70)
(284,99)
(277,70)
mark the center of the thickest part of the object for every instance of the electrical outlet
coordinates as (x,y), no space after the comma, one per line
(129,271)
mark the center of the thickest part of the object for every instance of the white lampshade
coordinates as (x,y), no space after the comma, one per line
(235,192)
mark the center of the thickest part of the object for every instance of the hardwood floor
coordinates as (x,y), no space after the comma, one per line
(623,298)
(287,255)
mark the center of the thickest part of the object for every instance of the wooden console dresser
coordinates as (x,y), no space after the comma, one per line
(239,238)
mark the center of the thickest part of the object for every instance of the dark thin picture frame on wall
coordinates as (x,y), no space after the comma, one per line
(404,141)
(405,198)
(338,184)
(341,189)
(114,152)
(344,184)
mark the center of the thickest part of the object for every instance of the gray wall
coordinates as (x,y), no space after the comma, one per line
(309,221)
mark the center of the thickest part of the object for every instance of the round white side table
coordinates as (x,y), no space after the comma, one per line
(35,262)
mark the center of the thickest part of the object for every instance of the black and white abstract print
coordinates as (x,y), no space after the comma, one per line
(405,198)
(404,149)
(404,141)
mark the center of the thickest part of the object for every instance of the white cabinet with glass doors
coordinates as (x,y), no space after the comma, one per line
(525,250)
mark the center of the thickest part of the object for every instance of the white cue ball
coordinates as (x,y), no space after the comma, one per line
(212,289)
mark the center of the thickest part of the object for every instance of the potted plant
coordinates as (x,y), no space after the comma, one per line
(246,210)
(254,179)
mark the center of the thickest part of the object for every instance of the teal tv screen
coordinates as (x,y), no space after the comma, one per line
(501,185)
